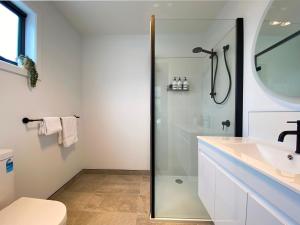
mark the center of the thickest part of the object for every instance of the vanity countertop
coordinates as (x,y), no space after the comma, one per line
(265,157)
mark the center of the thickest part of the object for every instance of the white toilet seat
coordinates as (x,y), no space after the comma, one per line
(31,211)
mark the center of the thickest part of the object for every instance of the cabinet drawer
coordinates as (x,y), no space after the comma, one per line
(258,213)
(206,182)
(230,200)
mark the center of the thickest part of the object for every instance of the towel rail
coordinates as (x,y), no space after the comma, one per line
(26,120)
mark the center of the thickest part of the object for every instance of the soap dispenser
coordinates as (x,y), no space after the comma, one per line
(174,84)
(185,85)
(179,84)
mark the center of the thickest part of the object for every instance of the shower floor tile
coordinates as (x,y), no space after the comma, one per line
(105,199)
(177,197)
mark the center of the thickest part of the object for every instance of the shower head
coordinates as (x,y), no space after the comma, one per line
(199,49)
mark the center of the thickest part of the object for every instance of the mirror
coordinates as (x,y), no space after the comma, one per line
(277,52)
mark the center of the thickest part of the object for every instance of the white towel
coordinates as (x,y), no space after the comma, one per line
(68,135)
(50,125)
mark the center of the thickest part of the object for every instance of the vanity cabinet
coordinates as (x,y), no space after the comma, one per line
(224,199)
(206,183)
(259,213)
(230,200)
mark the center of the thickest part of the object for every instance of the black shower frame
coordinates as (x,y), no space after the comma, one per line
(238,98)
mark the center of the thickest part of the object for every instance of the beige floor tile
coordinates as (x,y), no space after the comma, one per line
(87,218)
(101,199)
(146,178)
(94,203)
(117,203)
(145,188)
(117,219)
(121,179)
(109,218)
(143,206)
(72,216)
(143,220)
(92,177)
(131,188)
(86,183)
(74,200)
(128,203)
(82,186)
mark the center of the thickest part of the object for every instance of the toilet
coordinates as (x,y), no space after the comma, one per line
(24,211)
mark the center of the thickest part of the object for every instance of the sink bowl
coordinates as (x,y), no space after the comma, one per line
(276,156)
(275,160)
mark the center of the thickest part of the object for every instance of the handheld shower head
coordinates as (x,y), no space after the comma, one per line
(199,49)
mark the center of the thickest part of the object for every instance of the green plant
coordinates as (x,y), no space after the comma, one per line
(29,65)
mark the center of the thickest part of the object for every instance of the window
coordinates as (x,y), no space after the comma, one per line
(12,26)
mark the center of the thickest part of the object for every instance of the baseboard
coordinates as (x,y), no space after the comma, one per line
(117,171)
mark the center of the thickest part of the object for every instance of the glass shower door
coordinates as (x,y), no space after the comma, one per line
(177,125)
(180,115)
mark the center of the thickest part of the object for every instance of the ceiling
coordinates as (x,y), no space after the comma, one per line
(131,17)
(282,10)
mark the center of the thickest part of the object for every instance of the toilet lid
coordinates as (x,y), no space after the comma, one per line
(30,211)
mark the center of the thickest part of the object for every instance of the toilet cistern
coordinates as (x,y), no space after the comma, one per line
(25,211)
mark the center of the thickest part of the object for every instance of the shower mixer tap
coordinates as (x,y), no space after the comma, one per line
(225,123)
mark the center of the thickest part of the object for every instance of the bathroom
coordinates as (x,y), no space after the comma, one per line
(143,152)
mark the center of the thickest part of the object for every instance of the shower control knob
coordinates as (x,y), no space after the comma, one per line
(225,124)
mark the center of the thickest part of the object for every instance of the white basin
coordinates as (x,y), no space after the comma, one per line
(270,159)
(274,155)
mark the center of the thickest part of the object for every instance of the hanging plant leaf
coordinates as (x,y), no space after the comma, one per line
(32,73)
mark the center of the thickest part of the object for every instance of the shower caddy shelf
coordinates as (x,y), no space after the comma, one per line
(169,88)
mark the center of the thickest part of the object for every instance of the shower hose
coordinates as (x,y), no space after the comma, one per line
(213,95)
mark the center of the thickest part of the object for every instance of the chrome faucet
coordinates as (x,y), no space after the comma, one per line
(292,132)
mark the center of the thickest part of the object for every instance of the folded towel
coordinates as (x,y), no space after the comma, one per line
(68,135)
(50,125)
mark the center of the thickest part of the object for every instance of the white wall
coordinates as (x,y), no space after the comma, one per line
(41,166)
(256,98)
(213,113)
(116,97)
(268,126)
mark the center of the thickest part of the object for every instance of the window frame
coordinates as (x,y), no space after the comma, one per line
(21,29)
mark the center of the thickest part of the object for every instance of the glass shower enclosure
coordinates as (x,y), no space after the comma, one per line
(191,73)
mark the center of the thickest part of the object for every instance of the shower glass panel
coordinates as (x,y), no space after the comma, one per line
(182,115)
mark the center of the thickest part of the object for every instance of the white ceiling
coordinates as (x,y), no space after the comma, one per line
(131,17)
(282,10)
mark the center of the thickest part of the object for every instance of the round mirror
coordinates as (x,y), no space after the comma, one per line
(277,52)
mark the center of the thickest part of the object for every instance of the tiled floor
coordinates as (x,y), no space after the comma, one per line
(101,199)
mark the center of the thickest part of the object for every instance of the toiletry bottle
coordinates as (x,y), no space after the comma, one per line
(174,84)
(179,84)
(185,84)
